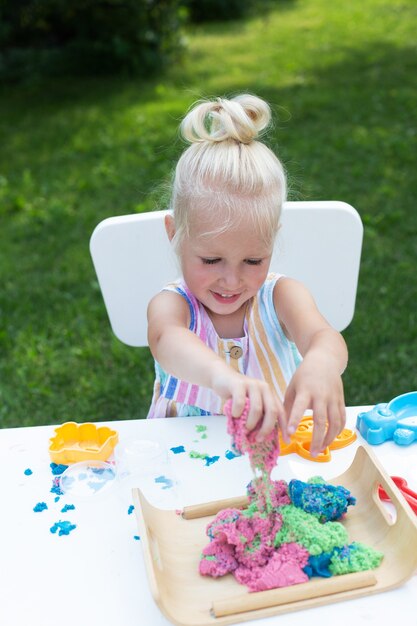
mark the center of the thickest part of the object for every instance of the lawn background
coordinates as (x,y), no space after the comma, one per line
(341,78)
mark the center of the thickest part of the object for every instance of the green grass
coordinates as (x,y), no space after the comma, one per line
(342,78)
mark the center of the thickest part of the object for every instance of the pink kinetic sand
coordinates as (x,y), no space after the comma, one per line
(284,568)
(262,455)
(257,545)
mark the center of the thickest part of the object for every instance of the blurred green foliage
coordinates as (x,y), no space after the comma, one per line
(88,36)
(218,10)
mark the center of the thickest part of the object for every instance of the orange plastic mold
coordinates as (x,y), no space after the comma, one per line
(300,441)
(82,442)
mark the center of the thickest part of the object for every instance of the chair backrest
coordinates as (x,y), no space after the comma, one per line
(319,243)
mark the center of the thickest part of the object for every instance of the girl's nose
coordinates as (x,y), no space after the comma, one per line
(231,278)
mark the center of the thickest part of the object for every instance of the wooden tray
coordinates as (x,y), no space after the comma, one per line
(172,547)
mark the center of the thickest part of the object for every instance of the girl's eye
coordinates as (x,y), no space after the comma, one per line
(210,261)
(254,261)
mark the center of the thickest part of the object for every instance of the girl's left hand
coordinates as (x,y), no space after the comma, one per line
(316,385)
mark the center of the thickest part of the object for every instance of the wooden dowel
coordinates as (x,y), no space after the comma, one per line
(211,508)
(295,593)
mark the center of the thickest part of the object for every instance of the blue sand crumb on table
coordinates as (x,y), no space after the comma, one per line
(58,468)
(167,482)
(67,507)
(55,487)
(28,472)
(63,528)
(229,454)
(177,449)
(136,537)
(211,459)
(130,509)
(41,506)
(204,456)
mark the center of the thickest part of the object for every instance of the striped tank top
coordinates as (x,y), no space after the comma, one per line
(263,352)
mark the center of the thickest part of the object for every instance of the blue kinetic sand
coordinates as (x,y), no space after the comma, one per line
(395,421)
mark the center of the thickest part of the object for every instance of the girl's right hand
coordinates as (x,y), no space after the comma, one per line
(265,409)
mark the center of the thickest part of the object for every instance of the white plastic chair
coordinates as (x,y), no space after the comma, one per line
(319,244)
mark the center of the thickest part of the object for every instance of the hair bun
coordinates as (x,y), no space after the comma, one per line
(241,118)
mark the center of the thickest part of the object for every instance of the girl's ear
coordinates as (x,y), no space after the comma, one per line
(170,226)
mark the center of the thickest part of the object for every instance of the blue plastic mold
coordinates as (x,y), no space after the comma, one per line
(396,420)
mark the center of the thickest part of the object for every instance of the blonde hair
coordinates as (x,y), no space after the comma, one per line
(226,171)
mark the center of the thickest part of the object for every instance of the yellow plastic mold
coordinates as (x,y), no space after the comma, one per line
(300,442)
(82,442)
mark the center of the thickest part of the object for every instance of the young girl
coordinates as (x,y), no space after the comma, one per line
(227,328)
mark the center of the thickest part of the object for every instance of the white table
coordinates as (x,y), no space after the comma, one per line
(95,576)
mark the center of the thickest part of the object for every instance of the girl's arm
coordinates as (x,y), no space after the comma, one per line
(181,353)
(317,383)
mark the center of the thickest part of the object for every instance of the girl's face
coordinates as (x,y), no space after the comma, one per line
(224,271)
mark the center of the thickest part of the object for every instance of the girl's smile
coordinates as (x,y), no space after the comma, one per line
(226,298)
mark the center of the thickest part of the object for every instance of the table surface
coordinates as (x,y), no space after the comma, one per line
(95,576)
